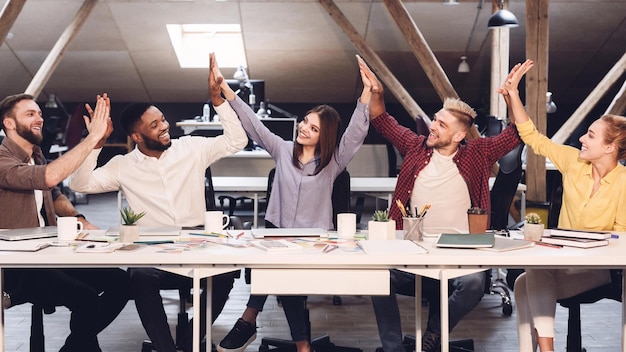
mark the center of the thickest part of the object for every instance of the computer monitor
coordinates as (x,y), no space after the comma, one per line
(284,127)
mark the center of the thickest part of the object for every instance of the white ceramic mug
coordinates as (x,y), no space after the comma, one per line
(68,227)
(346,225)
(215,221)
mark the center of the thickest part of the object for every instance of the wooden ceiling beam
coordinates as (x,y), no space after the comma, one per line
(374,61)
(10,11)
(618,105)
(56,54)
(591,101)
(421,49)
(424,54)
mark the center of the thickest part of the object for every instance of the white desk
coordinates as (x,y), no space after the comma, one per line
(374,186)
(313,269)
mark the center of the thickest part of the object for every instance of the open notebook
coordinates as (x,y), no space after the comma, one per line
(292,232)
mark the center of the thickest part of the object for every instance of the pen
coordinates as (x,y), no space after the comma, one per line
(329,248)
(239,235)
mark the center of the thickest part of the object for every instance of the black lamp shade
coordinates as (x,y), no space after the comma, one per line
(503,18)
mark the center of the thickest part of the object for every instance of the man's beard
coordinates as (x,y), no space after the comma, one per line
(26,133)
(155,145)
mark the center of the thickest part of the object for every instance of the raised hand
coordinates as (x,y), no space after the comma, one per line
(375,96)
(368,77)
(99,118)
(216,80)
(511,83)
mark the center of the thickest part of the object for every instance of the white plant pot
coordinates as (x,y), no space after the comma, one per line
(533,232)
(381,230)
(129,233)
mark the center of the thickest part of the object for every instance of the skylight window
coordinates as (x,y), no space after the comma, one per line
(193,43)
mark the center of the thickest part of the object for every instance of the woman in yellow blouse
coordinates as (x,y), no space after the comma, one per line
(594,198)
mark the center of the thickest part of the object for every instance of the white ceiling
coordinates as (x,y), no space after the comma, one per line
(297,48)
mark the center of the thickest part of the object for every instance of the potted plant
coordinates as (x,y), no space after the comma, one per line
(129,230)
(533,228)
(381,227)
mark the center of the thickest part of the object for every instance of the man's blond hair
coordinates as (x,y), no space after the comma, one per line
(463,112)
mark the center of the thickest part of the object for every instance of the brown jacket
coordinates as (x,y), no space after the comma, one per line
(18,180)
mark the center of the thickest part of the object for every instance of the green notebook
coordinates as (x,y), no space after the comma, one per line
(463,240)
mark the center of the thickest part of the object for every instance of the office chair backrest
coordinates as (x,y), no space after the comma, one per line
(556,199)
(505,186)
(209,192)
(340,196)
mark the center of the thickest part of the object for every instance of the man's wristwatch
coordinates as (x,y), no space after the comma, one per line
(80,216)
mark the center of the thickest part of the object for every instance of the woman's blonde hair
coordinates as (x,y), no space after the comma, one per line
(615,132)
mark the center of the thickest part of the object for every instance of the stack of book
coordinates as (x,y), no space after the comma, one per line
(577,238)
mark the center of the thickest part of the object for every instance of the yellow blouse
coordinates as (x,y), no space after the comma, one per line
(606,210)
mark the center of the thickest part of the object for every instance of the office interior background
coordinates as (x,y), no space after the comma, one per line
(303,58)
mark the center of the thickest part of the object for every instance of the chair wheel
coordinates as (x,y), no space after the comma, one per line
(146,346)
(507,309)
(336,300)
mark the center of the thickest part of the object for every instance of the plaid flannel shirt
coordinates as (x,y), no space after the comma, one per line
(473,159)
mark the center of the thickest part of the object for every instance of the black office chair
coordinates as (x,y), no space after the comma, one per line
(612,290)
(502,194)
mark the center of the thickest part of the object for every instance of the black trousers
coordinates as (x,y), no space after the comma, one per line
(95,297)
(146,284)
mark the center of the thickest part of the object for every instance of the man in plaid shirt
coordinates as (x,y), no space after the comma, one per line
(451,175)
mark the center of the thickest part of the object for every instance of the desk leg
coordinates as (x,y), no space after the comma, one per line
(418,312)
(209,313)
(445,330)
(623,312)
(196,311)
(256,210)
(1,315)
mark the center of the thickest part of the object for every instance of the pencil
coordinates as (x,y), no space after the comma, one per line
(401,206)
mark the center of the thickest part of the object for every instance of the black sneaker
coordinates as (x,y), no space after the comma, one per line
(431,342)
(238,338)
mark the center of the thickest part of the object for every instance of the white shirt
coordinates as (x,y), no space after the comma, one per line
(169,189)
(441,185)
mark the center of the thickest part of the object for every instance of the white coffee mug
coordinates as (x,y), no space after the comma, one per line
(68,227)
(346,225)
(215,221)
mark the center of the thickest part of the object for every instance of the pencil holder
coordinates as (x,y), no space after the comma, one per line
(413,228)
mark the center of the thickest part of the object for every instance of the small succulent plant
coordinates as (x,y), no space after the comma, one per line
(533,218)
(381,215)
(129,217)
